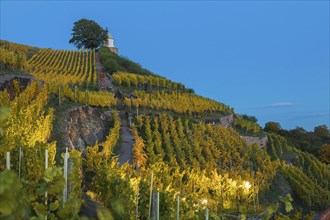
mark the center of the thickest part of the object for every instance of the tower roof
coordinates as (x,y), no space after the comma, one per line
(109,36)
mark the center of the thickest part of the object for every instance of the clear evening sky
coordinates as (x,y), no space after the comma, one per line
(269,59)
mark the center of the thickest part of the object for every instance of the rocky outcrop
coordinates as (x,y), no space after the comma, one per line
(6,83)
(325,215)
(226,121)
(260,141)
(85,126)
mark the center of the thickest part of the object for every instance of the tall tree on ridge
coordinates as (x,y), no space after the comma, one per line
(87,34)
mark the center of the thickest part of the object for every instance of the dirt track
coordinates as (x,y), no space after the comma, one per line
(126,144)
(125,151)
(104,81)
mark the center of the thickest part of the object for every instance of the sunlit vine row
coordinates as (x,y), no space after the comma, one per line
(67,67)
(14,56)
(185,145)
(28,122)
(15,48)
(141,81)
(84,97)
(99,159)
(182,103)
(28,127)
(34,190)
(307,190)
(10,60)
(308,176)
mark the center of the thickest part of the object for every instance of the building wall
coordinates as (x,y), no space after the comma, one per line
(260,141)
(111,43)
(226,121)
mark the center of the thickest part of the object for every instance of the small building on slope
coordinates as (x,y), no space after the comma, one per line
(110,43)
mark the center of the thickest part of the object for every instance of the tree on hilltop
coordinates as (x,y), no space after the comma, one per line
(322,131)
(271,126)
(87,34)
(324,153)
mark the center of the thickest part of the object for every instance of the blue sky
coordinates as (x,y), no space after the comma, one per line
(269,59)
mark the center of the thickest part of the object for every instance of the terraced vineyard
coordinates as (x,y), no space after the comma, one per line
(15,56)
(196,165)
(307,175)
(68,67)
(136,81)
(181,103)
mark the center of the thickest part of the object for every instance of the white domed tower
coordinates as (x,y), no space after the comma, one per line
(110,43)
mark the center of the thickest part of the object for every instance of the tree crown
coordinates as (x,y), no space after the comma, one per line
(87,34)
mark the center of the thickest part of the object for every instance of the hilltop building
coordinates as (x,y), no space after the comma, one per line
(110,43)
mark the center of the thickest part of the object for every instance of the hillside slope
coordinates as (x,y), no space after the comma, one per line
(167,135)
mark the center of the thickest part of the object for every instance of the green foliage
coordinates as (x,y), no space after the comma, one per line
(147,83)
(178,102)
(28,126)
(110,183)
(104,213)
(247,125)
(4,109)
(207,143)
(322,131)
(24,200)
(114,63)
(87,34)
(277,147)
(198,161)
(304,187)
(14,56)
(4,113)
(307,176)
(111,65)
(10,189)
(253,119)
(91,98)
(75,179)
(324,153)
(287,200)
(307,141)
(273,211)
(274,127)
(64,67)
(19,48)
